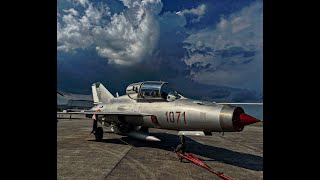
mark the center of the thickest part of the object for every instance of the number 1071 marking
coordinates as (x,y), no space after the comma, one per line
(170,117)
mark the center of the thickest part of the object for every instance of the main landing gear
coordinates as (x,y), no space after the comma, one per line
(99,134)
(181,148)
(97,131)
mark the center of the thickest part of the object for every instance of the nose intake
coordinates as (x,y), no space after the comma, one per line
(234,119)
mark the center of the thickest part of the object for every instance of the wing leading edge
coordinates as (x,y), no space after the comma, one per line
(107,113)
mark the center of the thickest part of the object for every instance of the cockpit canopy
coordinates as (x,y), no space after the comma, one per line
(152,90)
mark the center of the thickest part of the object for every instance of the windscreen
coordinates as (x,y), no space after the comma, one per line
(168,93)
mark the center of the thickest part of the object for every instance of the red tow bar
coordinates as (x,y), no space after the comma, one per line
(192,158)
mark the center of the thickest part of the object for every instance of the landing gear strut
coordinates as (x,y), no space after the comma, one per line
(181,148)
(97,131)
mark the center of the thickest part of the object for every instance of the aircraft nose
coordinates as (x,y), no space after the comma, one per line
(234,119)
(242,119)
(245,119)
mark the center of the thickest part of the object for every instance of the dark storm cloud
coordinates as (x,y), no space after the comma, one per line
(118,43)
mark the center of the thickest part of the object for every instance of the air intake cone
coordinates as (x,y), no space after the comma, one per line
(246,119)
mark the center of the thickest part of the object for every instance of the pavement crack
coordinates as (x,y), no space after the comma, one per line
(119,160)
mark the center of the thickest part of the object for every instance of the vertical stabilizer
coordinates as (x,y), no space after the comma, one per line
(100,93)
(95,94)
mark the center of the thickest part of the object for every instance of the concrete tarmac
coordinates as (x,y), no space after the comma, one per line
(238,155)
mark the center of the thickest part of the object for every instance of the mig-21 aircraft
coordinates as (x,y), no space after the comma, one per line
(152,104)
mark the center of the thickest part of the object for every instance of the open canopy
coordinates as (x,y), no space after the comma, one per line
(152,90)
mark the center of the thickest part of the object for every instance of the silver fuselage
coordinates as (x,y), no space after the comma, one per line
(181,115)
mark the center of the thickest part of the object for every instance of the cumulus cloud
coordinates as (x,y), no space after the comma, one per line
(71,12)
(82,2)
(126,38)
(73,33)
(198,11)
(230,53)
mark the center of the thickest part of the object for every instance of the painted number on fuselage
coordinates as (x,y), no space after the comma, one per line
(170,117)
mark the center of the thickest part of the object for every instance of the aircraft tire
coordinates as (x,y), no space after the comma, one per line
(99,134)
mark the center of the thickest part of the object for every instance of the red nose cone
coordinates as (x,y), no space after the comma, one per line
(246,119)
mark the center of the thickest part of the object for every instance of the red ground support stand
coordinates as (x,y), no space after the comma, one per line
(192,158)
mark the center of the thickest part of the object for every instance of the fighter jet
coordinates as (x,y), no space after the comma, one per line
(153,104)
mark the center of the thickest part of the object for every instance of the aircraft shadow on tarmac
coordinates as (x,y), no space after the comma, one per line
(170,141)
(113,141)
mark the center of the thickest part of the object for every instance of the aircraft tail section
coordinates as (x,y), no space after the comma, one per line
(100,94)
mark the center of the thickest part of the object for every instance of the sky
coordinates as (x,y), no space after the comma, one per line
(213,48)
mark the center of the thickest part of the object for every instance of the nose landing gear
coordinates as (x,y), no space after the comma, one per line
(181,148)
